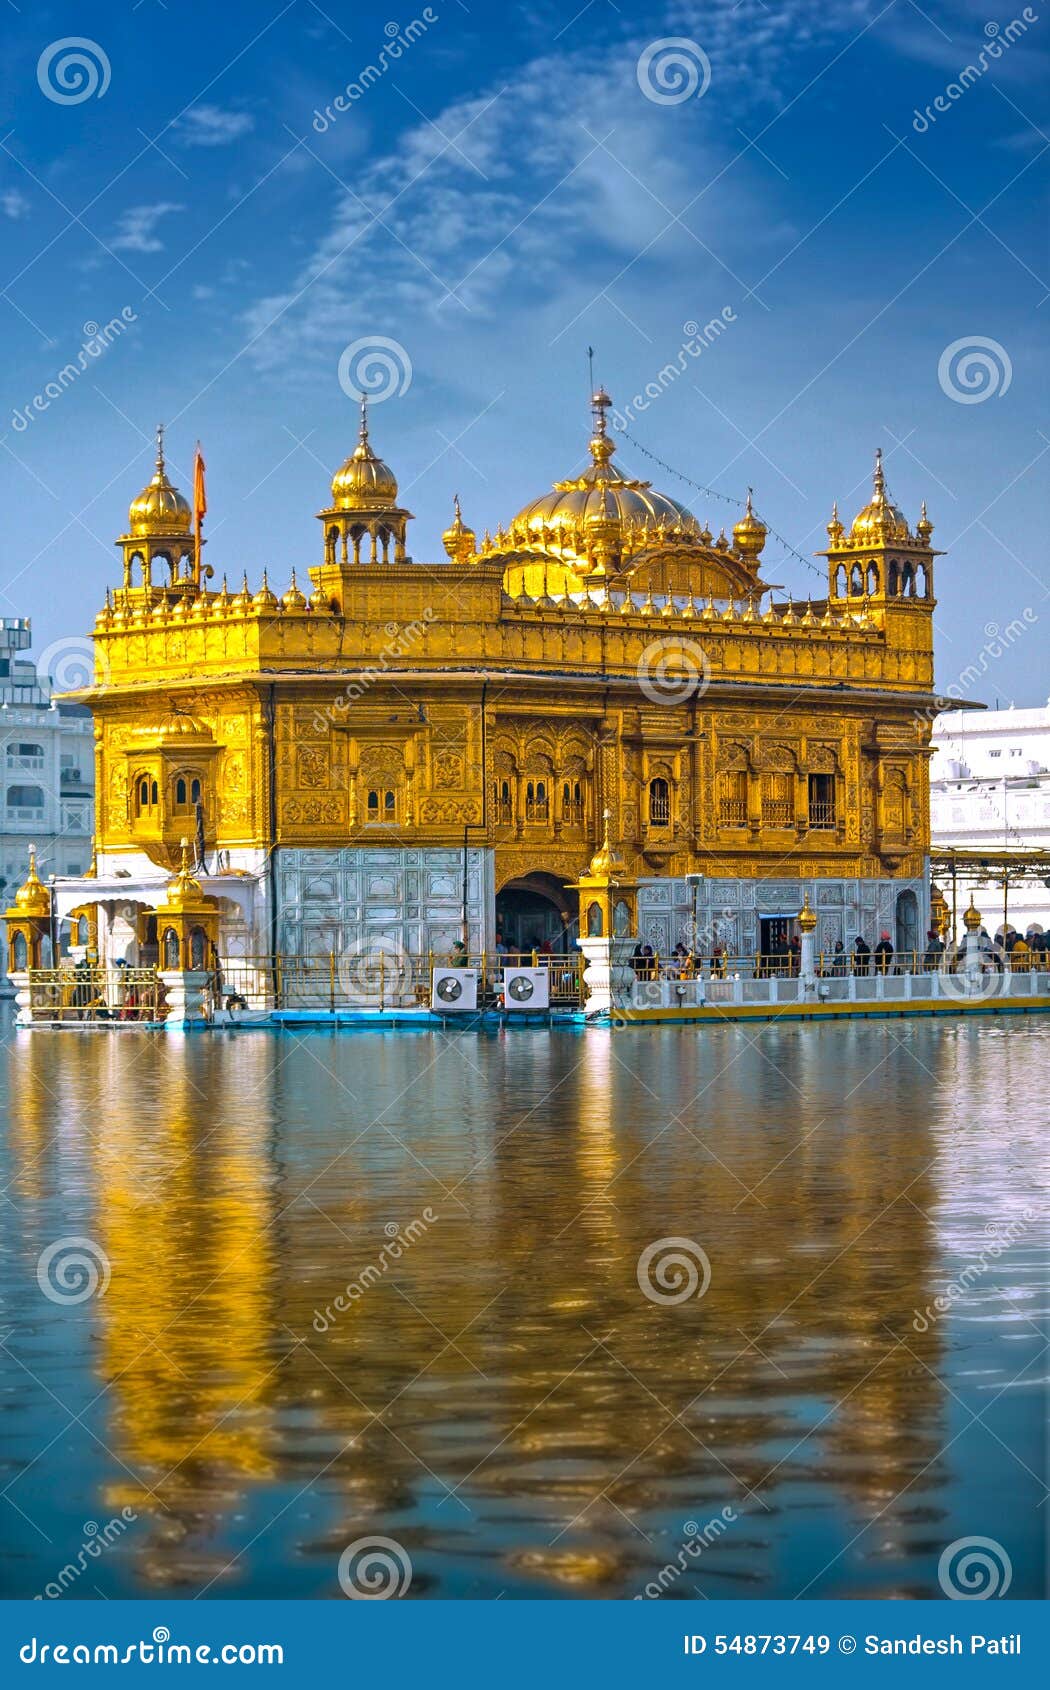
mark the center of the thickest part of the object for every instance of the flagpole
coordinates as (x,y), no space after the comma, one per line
(199,507)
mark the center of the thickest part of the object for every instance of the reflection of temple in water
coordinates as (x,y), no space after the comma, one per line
(510,1350)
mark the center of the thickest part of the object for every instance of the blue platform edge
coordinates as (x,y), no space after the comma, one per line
(520,1643)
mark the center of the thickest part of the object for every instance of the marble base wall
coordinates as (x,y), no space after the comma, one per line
(728,912)
(365,899)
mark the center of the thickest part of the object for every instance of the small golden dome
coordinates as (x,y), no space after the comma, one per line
(458,540)
(243,601)
(265,598)
(835,528)
(606,861)
(807,918)
(880,522)
(972,918)
(809,619)
(749,534)
(293,598)
(924,527)
(32,899)
(721,544)
(364,481)
(160,508)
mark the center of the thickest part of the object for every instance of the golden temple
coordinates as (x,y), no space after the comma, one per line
(409,753)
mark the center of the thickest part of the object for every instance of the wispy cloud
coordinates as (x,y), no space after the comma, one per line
(137,228)
(13,203)
(210,126)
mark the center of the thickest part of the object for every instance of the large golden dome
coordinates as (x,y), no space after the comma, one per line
(160,508)
(364,481)
(880,522)
(602,495)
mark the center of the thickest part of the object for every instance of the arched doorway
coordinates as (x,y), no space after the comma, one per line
(907,921)
(534,909)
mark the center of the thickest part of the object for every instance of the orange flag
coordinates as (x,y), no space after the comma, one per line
(200,498)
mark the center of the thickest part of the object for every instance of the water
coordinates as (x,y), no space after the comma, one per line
(503,1401)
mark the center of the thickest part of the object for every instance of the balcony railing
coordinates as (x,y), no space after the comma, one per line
(732,812)
(821,814)
(778,813)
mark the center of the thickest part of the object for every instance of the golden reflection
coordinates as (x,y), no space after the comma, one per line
(507,1352)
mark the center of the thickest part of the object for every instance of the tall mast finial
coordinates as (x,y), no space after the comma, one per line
(160,447)
(879,478)
(364,419)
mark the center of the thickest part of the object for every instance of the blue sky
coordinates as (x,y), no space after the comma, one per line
(502,194)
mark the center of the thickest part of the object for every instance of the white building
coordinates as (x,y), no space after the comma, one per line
(48,764)
(990,787)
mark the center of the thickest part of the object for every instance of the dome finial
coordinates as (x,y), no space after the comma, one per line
(362,432)
(160,448)
(879,480)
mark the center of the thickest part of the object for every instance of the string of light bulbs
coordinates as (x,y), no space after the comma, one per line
(725,498)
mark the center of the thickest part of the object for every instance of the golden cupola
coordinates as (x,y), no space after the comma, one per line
(160,532)
(364,481)
(458,540)
(606,526)
(880,523)
(749,534)
(364,524)
(160,508)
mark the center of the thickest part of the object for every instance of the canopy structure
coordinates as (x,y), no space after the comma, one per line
(1004,867)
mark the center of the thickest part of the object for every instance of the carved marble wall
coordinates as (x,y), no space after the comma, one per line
(359,899)
(729,911)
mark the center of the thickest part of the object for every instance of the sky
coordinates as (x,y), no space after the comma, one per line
(503,188)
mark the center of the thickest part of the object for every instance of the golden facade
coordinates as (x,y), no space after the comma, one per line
(604,651)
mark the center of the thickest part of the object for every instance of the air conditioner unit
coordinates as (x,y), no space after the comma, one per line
(454,989)
(526,988)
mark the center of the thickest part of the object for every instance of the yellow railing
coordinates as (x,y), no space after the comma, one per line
(96,994)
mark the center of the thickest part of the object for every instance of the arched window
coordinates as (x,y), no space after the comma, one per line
(382,805)
(195,792)
(856,581)
(840,581)
(154,795)
(894,579)
(659,803)
(389,804)
(778,804)
(732,798)
(572,803)
(594,921)
(19,953)
(180,793)
(373,805)
(922,582)
(908,582)
(503,802)
(198,948)
(170,948)
(537,808)
(873,577)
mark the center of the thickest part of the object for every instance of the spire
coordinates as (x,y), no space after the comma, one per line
(879,480)
(362,433)
(160,448)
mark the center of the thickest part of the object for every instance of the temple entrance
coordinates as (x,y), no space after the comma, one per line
(535,910)
(907,921)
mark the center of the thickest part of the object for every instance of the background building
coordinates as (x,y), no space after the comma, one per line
(417,753)
(990,786)
(47,759)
